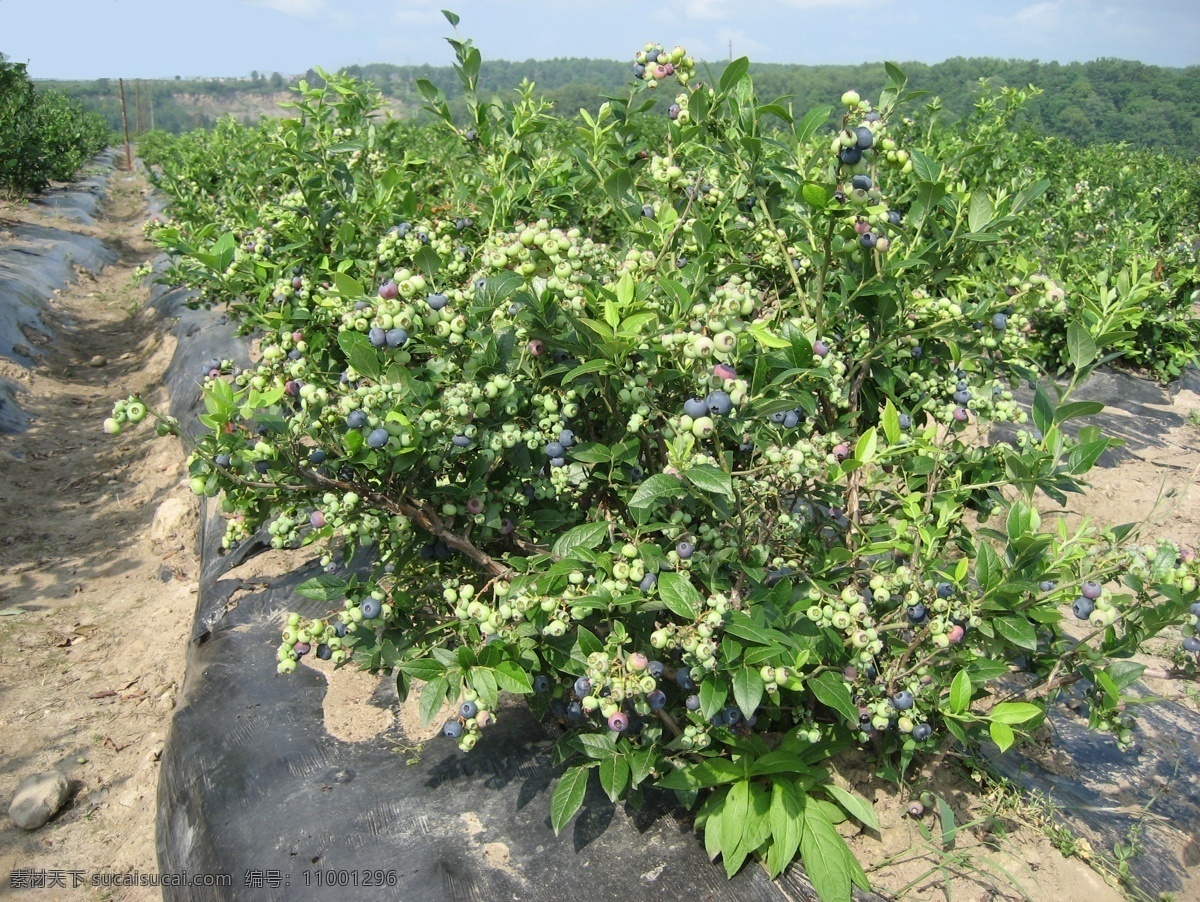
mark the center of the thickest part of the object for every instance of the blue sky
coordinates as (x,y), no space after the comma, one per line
(164,38)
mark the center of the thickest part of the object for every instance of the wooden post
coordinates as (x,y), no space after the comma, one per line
(137,107)
(125,124)
(150,103)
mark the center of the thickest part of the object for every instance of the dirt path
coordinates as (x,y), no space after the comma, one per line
(96,595)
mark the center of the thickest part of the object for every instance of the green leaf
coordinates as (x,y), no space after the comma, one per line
(592,366)
(1002,735)
(596,745)
(1043,411)
(949,828)
(453,19)
(424,669)
(733,73)
(432,696)
(713,693)
(589,536)
(733,816)
(981,211)
(679,595)
(1018,631)
(347,286)
(358,350)
(656,488)
(323,587)
(816,196)
(856,806)
(811,122)
(1074,409)
(1125,673)
(748,690)
(826,858)
(1014,712)
(614,776)
(831,691)
(511,677)
(568,796)
(1080,346)
(960,692)
(864,448)
(891,423)
(710,479)
(787,825)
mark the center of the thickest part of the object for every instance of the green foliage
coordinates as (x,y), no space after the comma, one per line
(45,135)
(483,346)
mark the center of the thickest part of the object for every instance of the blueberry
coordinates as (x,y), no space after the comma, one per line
(324,652)
(618,722)
(317,456)
(655,669)
(1195,609)
(917,613)
(1191,643)
(685,550)
(692,703)
(922,731)
(461,441)
(377,438)
(791,419)
(1091,590)
(999,322)
(648,582)
(905,421)
(558,707)
(1046,585)
(962,397)
(339,629)
(396,338)
(915,352)
(370,608)
(558,461)
(639,71)
(377,337)
(541,684)
(262,466)
(683,679)
(566,438)
(850,155)
(468,709)
(222,460)
(719,403)
(657,700)
(731,715)
(575,711)
(862,182)
(945,590)
(356,419)
(868,240)
(865,139)
(301,648)
(582,686)
(960,415)
(894,217)
(1082,607)
(437,301)
(555,449)
(695,407)
(778,417)
(647,211)
(902,701)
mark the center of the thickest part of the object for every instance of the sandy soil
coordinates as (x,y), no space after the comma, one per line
(98,582)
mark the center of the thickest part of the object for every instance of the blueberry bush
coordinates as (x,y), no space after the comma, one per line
(45,135)
(679,428)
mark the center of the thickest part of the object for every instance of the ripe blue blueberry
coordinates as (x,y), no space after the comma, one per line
(356,419)
(396,337)
(902,700)
(791,419)
(862,182)
(222,460)
(648,582)
(339,629)
(719,403)
(1082,607)
(683,679)
(453,729)
(962,397)
(468,709)
(1191,643)
(868,240)
(558,708)
(461,441)
(317,456)
(370,608)
(558,461)
(894,217)
(850,155)
(655,669)
(685,550)
(648,211)
(324,652)
(583,686)
(917,613)
(731,714)
(541,684)
(865,139)
(999,322)
(437,301)
(657,700)
(922,731)
(566,438)
(778,417)
(555,449)
(377,438)
(1091,589)
(575,711)
(377,337)
(692,703)
(695,407)
(905,419)
(1195,609)
(1046,585)
(945,590)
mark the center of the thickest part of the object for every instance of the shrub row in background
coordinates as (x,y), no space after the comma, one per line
(44,135)
(676,424)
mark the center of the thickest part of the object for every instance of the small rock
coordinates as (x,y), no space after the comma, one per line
(98,360)
(23,349)
(38,799)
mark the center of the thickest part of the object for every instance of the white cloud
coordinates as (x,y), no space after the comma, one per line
(418,12)
(305,9)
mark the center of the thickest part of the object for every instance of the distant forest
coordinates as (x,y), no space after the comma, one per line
(1104,101)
